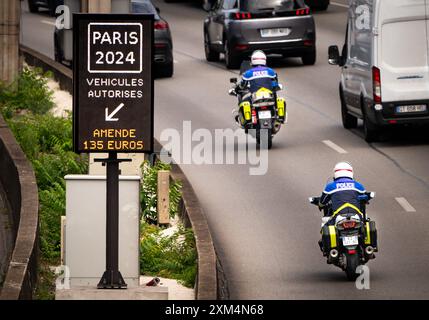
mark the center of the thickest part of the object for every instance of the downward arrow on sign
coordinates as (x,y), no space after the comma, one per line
(109,117)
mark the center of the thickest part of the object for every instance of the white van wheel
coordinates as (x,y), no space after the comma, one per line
(371,131)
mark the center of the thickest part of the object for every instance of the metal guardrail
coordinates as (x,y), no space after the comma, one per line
(19,183)
(211,283)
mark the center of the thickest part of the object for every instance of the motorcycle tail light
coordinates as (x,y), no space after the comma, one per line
(349,224)
(254,119)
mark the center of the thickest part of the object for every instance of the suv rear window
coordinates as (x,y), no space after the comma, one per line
(144,6)
(272,5)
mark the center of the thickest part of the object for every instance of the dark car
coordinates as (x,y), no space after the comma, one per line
(163,57)
(238,27)
(163,44)
(51,5)
(318,4)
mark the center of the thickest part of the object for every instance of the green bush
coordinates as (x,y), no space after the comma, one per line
(29,92)
(47,142)
(148,193)
(42,133)
(171,257)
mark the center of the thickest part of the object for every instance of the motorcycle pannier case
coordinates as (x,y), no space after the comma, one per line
(329,238)
(371,235)
(246,109)
(281,109)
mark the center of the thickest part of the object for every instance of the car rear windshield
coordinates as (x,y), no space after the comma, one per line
(144,6)
(273,5)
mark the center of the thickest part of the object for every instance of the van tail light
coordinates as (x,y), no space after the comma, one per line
(302,12)
(242,15)
(376,83)
(160,25)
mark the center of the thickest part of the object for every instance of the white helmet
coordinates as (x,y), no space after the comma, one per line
(258,58)
(343,170)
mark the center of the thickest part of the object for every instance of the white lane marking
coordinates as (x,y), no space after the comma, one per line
(51,23)
(405,204)
(332,145)
(339,4)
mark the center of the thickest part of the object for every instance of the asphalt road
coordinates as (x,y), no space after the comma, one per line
(265,231)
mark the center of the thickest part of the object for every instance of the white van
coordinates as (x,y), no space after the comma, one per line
(385,66)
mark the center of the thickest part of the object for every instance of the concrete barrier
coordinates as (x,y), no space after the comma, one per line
(192,214)
(62,74)
(19,182)
(211,282)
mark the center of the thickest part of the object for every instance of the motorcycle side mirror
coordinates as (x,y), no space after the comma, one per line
(314,200)
(372,194)
(232,92)
(279,86)
(233,80)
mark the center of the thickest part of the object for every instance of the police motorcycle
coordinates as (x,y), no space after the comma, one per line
(352,239)
(261,113)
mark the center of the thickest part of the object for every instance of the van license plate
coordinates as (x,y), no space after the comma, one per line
(412,108)
(350,241)
(276,32)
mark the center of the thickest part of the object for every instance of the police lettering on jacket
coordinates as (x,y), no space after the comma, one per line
(260,77)
(259,72)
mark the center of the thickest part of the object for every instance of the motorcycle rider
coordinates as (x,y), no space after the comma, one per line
(342,193)
(259,76)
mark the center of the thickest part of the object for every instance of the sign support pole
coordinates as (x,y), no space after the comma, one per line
(112,278)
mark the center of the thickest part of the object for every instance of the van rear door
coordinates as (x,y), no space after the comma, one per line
(403,50)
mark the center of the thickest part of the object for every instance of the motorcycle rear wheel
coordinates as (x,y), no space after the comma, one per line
(352,262)
(267,145)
